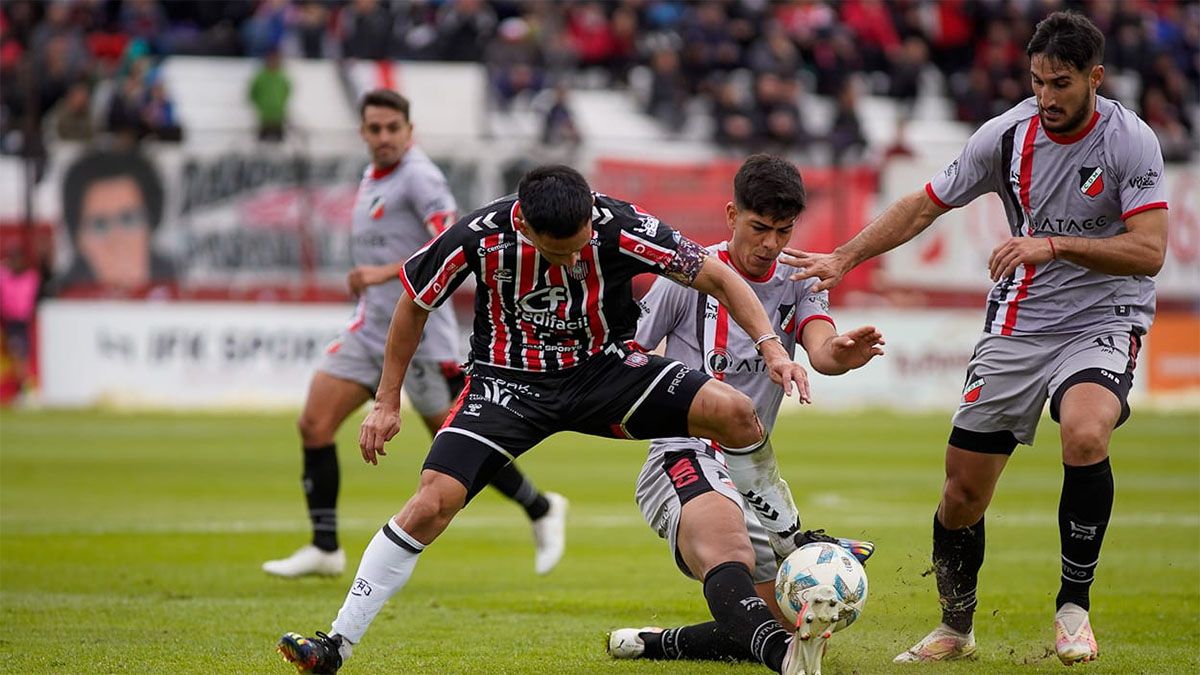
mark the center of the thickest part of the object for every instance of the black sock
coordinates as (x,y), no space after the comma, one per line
(701,642)
(743,616)
(513,484)
(320,482)
(957,557)
(1083,513)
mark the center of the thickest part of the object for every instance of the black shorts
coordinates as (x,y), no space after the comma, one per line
(614,394)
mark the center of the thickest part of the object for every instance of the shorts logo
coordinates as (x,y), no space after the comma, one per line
(717,360)
(494,393)
(1091,180)
(973,390)
(636,360)
(678,379)
(579,271)
(375,210)
(683,473)
(334,347)
(473,409)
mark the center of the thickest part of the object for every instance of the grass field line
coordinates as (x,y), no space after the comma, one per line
(16,526)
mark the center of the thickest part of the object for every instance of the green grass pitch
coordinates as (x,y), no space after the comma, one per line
(132,543)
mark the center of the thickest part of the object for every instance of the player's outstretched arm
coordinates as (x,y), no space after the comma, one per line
(720,281)
(363,276)
(383,422)
(904,219)
(833,354)
(1141,249)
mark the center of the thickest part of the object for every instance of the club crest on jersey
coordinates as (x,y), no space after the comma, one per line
(787,316)
(375,210)
(973,390)
(579,271)
(1091,180)
(717,360)
(636,360)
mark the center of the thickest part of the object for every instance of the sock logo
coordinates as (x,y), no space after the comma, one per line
(1082,532)
(361,588)
(752,603)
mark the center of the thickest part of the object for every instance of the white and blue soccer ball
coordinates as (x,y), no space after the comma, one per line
(816,566)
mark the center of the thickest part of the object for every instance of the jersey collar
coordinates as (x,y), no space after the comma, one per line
(1077,136)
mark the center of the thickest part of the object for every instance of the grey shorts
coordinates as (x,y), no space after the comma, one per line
(431,386)
(1009,379)
(690,468)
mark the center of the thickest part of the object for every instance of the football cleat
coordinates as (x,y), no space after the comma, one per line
(943,644)
(860,549)
(1074,641)
(308,559)
(627,643)
(317,655)
(550,534)
(814,627)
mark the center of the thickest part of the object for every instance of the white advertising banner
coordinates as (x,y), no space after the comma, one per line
(953,253)
(187,355)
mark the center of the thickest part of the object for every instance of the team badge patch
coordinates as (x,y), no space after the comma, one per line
(717,361)
(579,271)
(375,210)
(1091,180)
(636,360)
(973,390)
(787,318)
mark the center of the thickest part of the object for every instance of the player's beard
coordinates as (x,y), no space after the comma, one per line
(1068,124)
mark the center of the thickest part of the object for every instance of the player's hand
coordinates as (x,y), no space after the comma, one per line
(828,267)
(785,372)
(366,275)
(1017,251)
(853,349)
(379,428)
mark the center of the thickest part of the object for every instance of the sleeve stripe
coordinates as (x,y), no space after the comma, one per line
(411,293)
(932,195)
(433,291)
(1144,207)
(648,252)
(438,221)
(822,317)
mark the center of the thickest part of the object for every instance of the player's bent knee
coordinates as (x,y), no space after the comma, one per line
(438,498)
(963,500)
(314,432)
(1085,443)
(727,416)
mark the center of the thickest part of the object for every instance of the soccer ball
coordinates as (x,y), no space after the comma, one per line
(812,572)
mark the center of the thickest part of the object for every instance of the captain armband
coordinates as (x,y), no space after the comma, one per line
(685,265)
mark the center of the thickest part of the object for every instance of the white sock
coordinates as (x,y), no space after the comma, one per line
(386,566)
(756,474)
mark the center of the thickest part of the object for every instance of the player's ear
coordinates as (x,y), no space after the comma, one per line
(1096,76)
(731,212)
(518,218)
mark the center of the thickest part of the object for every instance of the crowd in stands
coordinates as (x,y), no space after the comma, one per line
(749,61)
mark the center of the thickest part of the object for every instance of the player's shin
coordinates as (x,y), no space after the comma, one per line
(744,616)
(1083,513)
(957,557)
(386,567)
(756,475)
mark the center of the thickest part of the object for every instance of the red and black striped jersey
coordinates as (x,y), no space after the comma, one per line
(533,316)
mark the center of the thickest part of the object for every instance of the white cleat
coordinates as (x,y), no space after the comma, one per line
(814,627)
(943,644)
(550,534)
(1074,641)
(627,643)
(308,559)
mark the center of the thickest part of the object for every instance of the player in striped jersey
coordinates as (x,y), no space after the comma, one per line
(402,201)
(554,309)
(1081,182)
(718,509)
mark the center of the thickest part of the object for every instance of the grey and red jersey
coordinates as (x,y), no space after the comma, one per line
(396,212)
(533,316)
(699,331)
(1080,186)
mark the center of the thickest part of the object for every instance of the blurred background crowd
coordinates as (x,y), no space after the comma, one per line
(71,69)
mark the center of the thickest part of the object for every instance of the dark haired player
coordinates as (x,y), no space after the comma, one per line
(554,309)
(1081,181)
(402,201)
(698,495)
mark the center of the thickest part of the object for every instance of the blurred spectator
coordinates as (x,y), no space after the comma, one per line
(734,118)
(846,138)
(774,52)
(777,121)
(158,114)
(668,89)
(558,128)
(308,27)
(1165,119)
(365,27)
(143,19)
(514,62)
(19,283)
(464,29)
(125,110)
(71,118)
(263,32)
(269,93)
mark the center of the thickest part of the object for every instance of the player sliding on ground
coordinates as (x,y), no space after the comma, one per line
(402,201)
(685,490)
(1081,182)
(553,312)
